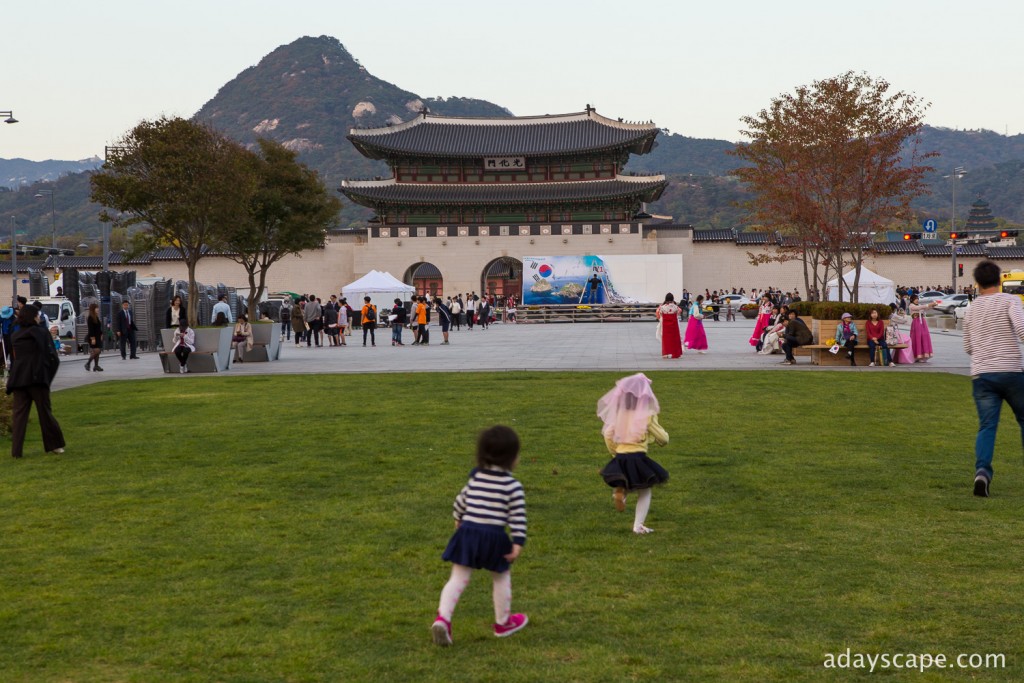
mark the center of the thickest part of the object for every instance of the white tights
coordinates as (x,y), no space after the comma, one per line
(643,506)
(461,575)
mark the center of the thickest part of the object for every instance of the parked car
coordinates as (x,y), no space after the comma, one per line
(960,310)
(736,299)
(61,313)
(930,296)
(950,302)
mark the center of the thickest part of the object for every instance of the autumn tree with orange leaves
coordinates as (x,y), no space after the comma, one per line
(829,165)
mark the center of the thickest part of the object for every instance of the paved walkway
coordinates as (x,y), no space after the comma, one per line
(625,347)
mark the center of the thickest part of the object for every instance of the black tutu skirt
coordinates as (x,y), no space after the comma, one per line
(633,471)
(480,546)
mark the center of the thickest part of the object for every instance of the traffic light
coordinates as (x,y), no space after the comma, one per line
(960,269)
(911,235)
(1008,233)
(955,235)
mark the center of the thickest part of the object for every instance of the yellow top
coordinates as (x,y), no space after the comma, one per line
(655,434)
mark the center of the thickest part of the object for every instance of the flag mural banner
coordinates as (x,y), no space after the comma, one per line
(595,280)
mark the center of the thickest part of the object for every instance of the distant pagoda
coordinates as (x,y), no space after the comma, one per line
(981,217)
(515,170)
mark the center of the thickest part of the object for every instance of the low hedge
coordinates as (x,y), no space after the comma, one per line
(833,310)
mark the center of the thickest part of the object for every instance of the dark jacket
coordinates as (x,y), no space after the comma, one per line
(35,360)
(121,322)
(182,315)
(95,331)
(399,310)
(798,328)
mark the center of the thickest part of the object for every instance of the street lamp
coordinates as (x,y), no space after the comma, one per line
(53,220)
(958,172)
(10,116)
(14,264)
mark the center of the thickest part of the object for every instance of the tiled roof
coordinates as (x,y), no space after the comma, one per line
(790,241)
(23,265)
(714,236)
(901,247)
(753,237)
(374,193)
(166,254)
(532,136)
(963,250)
(997,253)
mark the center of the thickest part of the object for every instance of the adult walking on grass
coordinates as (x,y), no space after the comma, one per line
(993,330)
(34,364)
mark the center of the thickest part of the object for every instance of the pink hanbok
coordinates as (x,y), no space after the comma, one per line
(764,314)
(696,339)
(920,337)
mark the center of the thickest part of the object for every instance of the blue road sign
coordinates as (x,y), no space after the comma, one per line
(930,225)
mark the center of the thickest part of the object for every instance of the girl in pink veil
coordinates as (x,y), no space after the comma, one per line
(630,416)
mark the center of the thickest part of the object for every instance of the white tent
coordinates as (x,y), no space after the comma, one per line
(382,288)
(872,288)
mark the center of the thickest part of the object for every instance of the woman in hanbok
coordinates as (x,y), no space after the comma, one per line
(695,337)
(895,335)
(764,314)
(919,335)
(770,338)
(668,327)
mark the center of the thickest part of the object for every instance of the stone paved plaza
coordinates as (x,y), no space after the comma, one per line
(624,347)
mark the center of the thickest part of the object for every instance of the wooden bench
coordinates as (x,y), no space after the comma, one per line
(820,354)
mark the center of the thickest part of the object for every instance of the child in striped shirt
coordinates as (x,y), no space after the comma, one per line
(490,501)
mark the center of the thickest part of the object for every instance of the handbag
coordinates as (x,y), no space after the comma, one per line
(239,338)
(892,334)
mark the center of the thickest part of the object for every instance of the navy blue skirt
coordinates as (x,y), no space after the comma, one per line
(480,546)
(633,471)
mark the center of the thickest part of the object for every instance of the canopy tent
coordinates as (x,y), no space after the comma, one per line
(871,289)
(382,288)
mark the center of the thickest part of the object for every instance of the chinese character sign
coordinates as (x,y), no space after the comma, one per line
(504,163)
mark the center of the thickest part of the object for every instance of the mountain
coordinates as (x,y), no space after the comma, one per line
(309,93)
(17,172)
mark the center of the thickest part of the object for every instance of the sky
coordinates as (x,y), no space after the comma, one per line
(78,75)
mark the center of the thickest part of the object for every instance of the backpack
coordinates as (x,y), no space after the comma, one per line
(371,315)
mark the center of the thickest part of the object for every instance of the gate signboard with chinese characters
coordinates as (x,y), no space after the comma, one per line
(504,163)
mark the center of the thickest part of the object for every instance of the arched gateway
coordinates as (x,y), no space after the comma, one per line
(426,278)
(503,277)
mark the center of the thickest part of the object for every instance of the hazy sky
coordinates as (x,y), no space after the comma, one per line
(78,74)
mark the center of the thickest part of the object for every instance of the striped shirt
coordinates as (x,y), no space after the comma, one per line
(993,330)
(493,497)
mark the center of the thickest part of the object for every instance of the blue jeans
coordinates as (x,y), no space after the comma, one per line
(885,351)
(396,332)
(990,390)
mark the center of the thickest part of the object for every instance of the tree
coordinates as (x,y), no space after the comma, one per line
(186,183)
(290,212)
(830,165)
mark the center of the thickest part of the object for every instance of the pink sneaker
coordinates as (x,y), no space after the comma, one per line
(514,623)
(441,630)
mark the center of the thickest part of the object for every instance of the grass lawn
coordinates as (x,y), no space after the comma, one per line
(289,529)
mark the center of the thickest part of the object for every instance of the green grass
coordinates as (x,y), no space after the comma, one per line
(289,529)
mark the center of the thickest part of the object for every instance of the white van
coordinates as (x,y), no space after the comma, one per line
(61,313)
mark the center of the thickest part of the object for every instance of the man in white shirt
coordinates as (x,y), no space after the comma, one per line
(221,307)
(993,330)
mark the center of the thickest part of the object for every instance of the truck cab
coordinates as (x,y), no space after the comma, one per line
(61,313)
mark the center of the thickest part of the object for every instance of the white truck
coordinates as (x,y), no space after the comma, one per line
(61,313)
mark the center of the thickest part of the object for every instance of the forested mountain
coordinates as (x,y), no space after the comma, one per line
(309,93)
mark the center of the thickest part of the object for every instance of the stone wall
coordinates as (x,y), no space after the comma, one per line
(462,262)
